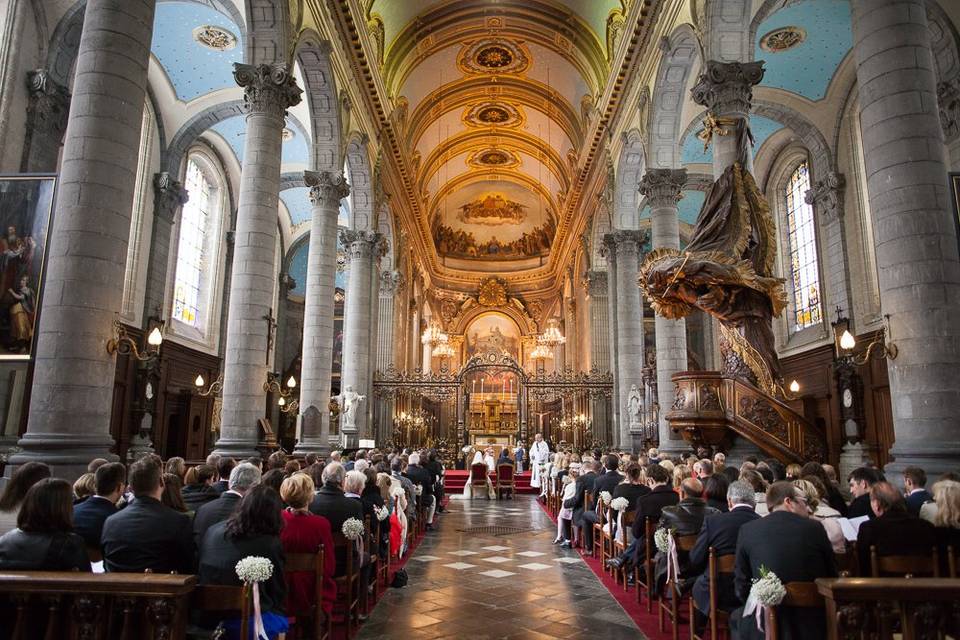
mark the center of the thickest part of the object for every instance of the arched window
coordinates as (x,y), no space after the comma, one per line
(346,204)
(802,240)
(198,248)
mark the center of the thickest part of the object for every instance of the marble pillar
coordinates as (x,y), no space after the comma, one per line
(363,250)
(72,397)
(914,229)
(663,189)
(597,285)
(268,91)
(627,245)
(13,15)
(389,285)
(609,252)
(326,191)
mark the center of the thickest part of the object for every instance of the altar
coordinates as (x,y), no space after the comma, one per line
(495,441)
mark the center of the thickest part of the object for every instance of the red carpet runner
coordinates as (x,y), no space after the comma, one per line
(628,599)
(454,480)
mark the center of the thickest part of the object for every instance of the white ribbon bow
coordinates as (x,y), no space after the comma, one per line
(259,630)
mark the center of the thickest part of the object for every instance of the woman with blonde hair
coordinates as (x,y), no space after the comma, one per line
(946,516)
(565,517)
(305,532)
(830,524)
(84,487)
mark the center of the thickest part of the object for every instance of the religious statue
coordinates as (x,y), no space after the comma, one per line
(349,400)
(727,271)
(635,407)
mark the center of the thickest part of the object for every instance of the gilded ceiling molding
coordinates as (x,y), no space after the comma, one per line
(496,112)
(493,56)
(493,157)
(546,24)
(523,92)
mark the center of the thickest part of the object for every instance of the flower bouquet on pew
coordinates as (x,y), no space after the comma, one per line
(767,591)
(252,570)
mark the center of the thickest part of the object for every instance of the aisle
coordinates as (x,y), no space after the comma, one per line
(511,583)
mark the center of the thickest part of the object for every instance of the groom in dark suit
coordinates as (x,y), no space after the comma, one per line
(89,515)
(793,546)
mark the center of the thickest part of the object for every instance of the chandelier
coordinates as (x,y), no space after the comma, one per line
(443,348)
(552,337)
(541,351)
(433,334)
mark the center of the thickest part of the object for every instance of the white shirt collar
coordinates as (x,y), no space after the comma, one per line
(743,506)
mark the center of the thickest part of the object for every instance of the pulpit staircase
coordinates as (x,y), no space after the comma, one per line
(709,407)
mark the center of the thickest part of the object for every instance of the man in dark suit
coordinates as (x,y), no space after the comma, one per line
(894,532)
(860,481)
(332,504)
(684,519)
(225,467)
(243,477)
(89,515)
(649,506)
(147,534)
(915,483)
(579,502)
(420,477)
(720,531)
(796,548)
(607,481)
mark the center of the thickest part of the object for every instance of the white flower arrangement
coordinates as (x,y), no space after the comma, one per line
(353,529)
(620,504)
(467,449)
(396,491)
(605,497)
(419,489)
(767,589)
(382,513)
(254,569)
(661,538)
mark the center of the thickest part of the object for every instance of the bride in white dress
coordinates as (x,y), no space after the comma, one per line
(479,458)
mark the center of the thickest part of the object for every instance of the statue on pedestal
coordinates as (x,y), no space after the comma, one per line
(349,400)
(635,408)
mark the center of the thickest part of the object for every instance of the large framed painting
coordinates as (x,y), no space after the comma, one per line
(26,204)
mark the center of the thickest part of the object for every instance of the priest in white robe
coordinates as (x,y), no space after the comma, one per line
(539,454)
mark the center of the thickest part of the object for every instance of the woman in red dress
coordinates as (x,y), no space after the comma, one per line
(304,532)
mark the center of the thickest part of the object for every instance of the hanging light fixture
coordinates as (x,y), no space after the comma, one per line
(541,351)
(552,337)
(432,334)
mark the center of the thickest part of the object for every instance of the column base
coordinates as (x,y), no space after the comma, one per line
(934,460)
(349,440)
(318,445)
(852,455)
(67,454)
(236,449)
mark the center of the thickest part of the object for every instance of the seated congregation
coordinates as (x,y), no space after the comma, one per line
(328,530)
(694,537)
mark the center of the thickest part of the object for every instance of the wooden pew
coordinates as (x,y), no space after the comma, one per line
(54,604)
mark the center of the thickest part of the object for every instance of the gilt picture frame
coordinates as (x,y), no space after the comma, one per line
(26,212)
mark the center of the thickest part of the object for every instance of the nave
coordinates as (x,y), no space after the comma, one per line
(468,584)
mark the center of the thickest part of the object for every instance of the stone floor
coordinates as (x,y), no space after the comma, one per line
(493,585)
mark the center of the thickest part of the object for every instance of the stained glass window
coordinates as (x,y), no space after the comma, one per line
(191,251)
(802,238)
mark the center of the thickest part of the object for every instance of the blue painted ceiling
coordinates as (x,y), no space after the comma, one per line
(692,146)
(807,68)
(297,202)
(193,69)
(298,268)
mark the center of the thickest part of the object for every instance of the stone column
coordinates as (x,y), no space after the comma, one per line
(326,191)
(599,347)
(663,188)
(47,112)
(609,252)
(915,234)
(268,91)
(629,330)
(72,396)
(169,196)
(726,90)
(12,18)
(363,249)
(389,284)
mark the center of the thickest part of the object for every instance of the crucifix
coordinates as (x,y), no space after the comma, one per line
(271,327)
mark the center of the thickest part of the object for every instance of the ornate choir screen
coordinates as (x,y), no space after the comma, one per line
(492,398)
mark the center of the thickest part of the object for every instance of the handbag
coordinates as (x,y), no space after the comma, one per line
(399,579)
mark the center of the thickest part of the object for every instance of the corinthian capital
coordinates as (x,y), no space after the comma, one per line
(268,88)
(663,187)
(596,282)
(625,241)
(327,189)
(726,88)
(360,244)
(827,195)
(168,195)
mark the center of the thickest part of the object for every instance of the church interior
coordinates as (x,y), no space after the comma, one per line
(653,232)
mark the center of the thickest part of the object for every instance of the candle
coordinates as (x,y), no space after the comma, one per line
(481,388)
(474,385)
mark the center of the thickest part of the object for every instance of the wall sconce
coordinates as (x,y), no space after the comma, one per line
(124,345)
(794,387)
(287,402)
(214,389)
(846,342)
